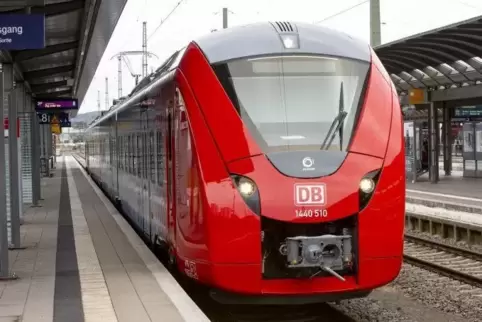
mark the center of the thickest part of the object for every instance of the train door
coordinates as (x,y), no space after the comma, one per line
(171,183)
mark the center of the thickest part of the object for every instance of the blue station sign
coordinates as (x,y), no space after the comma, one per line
(60,118)
(19,32)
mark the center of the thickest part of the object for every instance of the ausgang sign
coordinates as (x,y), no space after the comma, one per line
(18,32)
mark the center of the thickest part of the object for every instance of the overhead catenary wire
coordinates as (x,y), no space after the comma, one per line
(468,5)
(141,14)
(342,12)
(165,18)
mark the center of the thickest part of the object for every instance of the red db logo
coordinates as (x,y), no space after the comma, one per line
(310,194)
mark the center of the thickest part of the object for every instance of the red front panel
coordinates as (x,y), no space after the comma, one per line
(232,137)
(373,128)
(247,279)
(278,191)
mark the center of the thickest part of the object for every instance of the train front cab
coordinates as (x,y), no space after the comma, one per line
(259,140)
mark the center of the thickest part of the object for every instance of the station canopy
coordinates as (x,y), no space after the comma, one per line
(76,35)
(443,58)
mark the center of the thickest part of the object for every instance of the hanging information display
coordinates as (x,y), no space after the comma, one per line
(468,111)
(57,104)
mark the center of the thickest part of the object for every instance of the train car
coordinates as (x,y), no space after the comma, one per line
(268,160)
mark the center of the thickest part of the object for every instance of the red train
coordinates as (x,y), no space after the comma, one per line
(268,159)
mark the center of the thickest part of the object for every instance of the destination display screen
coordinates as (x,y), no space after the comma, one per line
(468,111)
(61,104)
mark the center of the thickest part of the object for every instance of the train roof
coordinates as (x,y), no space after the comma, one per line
(267,38)
(257,39)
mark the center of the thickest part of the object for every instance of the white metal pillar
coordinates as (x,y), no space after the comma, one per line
(14,171)
(35,151)
(4,265)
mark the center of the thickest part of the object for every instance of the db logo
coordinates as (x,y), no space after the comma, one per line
(310,194)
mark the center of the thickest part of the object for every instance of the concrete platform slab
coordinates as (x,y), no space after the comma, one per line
(83,262)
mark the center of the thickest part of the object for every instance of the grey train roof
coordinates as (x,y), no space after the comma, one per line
(265,38)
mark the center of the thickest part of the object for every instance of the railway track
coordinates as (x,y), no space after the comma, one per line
(455,262)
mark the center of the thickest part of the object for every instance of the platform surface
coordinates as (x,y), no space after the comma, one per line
(83,262)
(456,189)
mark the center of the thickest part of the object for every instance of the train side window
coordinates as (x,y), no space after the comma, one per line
(155,153)
(126,153)
(145,143)
(123,155)
(129,153)
(152,157)
(119,154)
(136,154)
(169,137)
(139,155)
(133,153)
(101,150)
(124,143)
(142,138)
(111,149)
(160,159)
(144,155)
(113,154)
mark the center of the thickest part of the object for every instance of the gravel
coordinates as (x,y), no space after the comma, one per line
(440,292)
(420,295)
(370,310)
(389,304)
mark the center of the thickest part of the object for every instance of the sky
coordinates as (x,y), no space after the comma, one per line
(193,18)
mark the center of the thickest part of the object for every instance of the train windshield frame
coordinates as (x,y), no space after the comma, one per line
(289,103)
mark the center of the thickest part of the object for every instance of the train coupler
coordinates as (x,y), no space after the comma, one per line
(328,252)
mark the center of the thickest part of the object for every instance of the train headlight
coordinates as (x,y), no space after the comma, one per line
(249,191)
(290,41)
(245,187)
(367,185)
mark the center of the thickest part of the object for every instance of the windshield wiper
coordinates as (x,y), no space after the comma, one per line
(337,124)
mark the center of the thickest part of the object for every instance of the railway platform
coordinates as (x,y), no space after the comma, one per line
(83,262)
(453,192)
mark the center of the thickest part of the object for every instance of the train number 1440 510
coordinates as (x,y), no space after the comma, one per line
(312,213)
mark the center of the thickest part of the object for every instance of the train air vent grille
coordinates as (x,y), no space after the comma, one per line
(284,26)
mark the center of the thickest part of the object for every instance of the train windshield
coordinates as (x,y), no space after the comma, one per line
(296,102)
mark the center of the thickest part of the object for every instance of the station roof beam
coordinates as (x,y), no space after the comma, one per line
(440,60)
